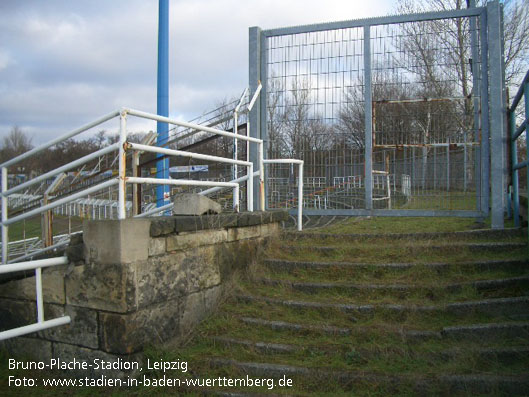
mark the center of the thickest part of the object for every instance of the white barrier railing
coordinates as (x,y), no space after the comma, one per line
(41,323)
(122,146)
(179,153)
(198,127)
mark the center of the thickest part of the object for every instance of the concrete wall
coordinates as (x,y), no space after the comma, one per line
(135,282)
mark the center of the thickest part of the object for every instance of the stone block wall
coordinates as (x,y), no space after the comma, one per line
(134,282)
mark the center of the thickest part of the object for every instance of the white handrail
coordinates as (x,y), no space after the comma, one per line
(202,193)
(63,168)
(199,127)
(18,267)
(41,324)
(180,153)
(188,182)
(172,152)
(58,203)
(62,138)
(216,131)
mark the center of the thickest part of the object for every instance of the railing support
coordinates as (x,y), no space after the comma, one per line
(300,197)
(122,164)
(300,184)
(261,177)
(5,238)
(41,324)
(249,190)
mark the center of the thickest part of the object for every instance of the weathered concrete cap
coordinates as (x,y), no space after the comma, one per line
(195,204)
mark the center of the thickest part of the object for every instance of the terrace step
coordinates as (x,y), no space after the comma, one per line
(289,265)
(455,324)
(467,234)
(473,247)
(481,332)
(264,347)
(505,355)
(286,326)
(500,306)
(492,331)
(481,285)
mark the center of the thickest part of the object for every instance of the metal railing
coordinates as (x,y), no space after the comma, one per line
(41,323)
(514,133)
(122,146)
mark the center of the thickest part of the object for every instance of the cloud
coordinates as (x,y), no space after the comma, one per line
(65,63)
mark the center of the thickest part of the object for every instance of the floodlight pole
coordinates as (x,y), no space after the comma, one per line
(162,166)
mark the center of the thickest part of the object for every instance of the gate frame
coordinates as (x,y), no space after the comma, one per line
(493,128)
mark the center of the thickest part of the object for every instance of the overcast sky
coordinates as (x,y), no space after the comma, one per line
(64,63)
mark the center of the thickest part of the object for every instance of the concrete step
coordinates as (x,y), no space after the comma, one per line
(491,331)
(409,335)
(355,380)
(472,332)
(494,265)
(481,285)
(499,306)
(504,355)
(286,326)
(263,347)
(461,235)
(472,247)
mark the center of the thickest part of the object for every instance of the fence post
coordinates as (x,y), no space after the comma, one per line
(254,118)
(475,98)
(368,111)
(497,109)
(484,144)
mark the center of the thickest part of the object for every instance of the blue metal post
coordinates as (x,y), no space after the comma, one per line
(162,166)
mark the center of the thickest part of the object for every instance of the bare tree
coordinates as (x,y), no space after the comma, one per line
(303,130)
(455,35)
(14,144)
(276,118)
(516,36)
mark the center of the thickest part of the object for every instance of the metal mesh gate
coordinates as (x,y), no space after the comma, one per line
(387,113)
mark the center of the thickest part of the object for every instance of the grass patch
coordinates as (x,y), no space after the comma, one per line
(31,227)
(387,252)
(440,200)
(386,225)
